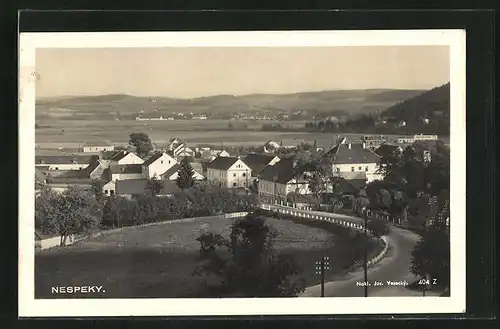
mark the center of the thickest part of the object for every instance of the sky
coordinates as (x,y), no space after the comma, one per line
(196,72)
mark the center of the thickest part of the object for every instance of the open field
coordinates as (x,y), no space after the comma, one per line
(72,134)
(158,261)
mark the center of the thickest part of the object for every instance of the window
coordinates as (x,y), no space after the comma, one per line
(111,192)
(234,175)
(352,168)
(234,184)
(161,161)
(359,168)
(244,174)
(338,169)
(57,168)
(366,168)
(168,162)
(106,192)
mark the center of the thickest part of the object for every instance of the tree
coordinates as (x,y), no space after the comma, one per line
(362,200)
(118,212)
(316,187)
(73,211)
(185,175)
(431,255)
(377,227)
(252,268)
(142,143)
(154,186)
(96,189)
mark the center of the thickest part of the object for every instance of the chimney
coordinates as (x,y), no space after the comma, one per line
(349,146)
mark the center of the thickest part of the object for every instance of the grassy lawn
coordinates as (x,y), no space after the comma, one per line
(158,261)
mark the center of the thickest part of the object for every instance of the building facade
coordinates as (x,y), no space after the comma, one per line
(157,164)
(349,159)
(63,162)
(97,147)
(229,172)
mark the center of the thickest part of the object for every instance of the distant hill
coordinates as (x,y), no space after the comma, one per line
(335,102)
(427,112)
(434,103)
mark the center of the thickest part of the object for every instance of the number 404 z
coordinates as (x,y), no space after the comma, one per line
(427,281)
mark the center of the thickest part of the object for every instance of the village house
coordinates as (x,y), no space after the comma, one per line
(173,173)
(373,141)
(124,157)
(179,148)
(124,172)
(406,140)
(63,162)
(218,153)
(97,147)
(347,159)
(271,146)
(257,162)
(284,177)
(229,172)
(136,187)
(157,164)
(286,181)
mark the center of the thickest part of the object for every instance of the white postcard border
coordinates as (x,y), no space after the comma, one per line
(31,307)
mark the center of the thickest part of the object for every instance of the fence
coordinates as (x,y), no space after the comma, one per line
(306,213)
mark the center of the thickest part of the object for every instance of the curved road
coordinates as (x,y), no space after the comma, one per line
(393,267)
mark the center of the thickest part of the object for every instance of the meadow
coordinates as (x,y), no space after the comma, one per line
(73,134)
(158,261)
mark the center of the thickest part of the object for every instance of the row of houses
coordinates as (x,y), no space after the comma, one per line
(353,165)
(121,171)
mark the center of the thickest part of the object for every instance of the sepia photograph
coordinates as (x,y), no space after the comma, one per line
(242,167)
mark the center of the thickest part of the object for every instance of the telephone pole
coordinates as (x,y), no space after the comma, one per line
(321,266)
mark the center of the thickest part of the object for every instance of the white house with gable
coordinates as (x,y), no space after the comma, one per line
(229,172)
(124,157)
(157,164)
(348,160)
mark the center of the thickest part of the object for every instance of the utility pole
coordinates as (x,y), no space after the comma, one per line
(321,266)
(365,254)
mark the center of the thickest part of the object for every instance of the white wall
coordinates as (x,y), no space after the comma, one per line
(70,166)
(234,177)
(55,241)
(130,158)
(110,186)
(273,161)
(217,177)
(120,176)
(370,170)
(239,175)
(196,176)
(95,149)
(158,167)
